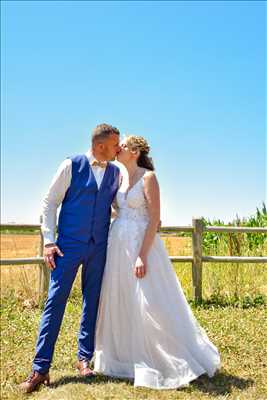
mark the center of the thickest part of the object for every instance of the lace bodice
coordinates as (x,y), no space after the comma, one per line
(130,225)
(132,203)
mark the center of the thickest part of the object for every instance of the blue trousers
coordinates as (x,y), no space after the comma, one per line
(92,257)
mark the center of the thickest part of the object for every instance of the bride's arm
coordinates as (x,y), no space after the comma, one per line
(114,210)
(151,190)
(114,205)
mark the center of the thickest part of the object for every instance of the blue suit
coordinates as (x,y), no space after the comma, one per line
(83,227)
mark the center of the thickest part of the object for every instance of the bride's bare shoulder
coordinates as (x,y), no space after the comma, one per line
(150,177)
(148,174)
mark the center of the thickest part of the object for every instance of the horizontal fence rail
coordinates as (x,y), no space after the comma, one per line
(234,229)
(234,259)
(197,229)
(21,261)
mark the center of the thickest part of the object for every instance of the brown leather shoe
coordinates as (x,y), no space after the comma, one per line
(33,381)
(83,367)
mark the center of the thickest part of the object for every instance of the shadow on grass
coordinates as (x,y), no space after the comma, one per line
(96,380)
(221,384)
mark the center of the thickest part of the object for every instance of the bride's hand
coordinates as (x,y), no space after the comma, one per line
(140,267)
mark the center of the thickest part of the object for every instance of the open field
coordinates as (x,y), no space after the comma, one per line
(21,245)
(219,279)
(16,246)
(25,278)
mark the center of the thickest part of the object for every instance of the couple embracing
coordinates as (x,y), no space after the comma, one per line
(136,322)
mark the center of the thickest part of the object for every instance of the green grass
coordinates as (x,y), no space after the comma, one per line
(240,335)
(226,280)
(233,313)
(13,230)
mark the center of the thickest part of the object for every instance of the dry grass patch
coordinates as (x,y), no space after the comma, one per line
(23,279)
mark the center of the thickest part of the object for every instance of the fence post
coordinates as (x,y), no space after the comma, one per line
(197,258)
(43,271)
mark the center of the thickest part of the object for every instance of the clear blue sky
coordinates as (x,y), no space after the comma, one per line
(189,76)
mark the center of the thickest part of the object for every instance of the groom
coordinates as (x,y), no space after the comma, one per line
(84,186)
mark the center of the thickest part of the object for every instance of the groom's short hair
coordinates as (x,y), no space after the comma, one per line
(103,131)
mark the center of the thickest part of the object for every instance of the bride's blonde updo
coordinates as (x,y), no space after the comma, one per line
(140,143)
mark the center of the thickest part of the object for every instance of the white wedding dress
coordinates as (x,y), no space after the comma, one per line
(146,329)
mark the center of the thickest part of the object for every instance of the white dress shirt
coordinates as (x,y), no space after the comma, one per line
(56,193)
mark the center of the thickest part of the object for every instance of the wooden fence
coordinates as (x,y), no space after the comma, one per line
(197,229)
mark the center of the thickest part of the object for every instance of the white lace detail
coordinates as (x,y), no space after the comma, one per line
(132,219)
(132,204)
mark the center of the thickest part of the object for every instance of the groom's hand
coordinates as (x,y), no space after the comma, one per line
(140,267)
(49,251)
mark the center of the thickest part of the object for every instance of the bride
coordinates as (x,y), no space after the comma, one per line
(146,330)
